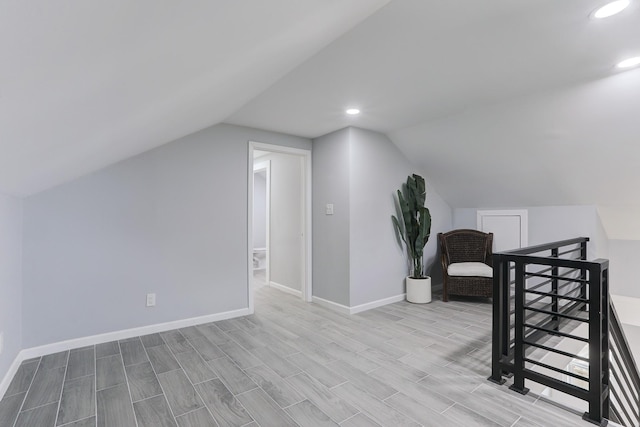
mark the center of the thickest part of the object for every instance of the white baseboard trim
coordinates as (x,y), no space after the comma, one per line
(4,384)
(357,308)
(379,303)
(286,289)
(331,305)
(42,350)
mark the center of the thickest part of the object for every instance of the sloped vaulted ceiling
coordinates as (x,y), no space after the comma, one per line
(87,83)
(575,146)
(500,102)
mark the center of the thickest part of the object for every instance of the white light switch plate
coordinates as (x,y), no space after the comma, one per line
(151,300)
(329,209)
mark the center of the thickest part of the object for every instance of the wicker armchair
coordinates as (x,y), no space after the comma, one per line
(466,263)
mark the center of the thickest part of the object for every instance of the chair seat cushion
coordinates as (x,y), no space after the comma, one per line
(470,269)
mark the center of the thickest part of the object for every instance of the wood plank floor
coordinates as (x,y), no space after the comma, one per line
(289,364)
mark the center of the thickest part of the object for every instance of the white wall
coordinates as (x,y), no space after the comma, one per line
(378,265)
(359,172)
(602,239)
(286,256)
(172,221)
(623,267)
(10,280)
(550,223)
(330,169)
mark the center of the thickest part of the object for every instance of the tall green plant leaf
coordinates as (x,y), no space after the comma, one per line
(421,193)
(423,236)
(398,228)
(407,218)
(415,228)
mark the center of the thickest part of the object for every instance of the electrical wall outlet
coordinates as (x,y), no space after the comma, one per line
(329,209)
(151,300)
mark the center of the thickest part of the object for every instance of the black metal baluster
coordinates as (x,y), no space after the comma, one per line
(595,347)
(554,291)
(518,362)
(500,331)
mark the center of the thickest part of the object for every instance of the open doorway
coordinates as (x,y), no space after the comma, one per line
(261,219)
(279,220)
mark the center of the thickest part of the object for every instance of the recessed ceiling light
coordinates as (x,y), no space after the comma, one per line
(611,9)
(628,63)
(353,111)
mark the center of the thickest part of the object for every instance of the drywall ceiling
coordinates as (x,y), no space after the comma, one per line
(417,60)
(498,102)
(501,103)
(573,146)
(87,83)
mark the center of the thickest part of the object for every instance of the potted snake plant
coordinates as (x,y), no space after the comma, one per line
(413,229)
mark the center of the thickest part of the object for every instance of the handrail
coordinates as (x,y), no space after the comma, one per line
(625,397)
(547,246)
(534,300)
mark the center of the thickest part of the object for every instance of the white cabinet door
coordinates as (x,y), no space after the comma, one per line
(509,228)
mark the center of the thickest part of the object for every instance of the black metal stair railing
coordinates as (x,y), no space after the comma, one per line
(549,295)
(625,382)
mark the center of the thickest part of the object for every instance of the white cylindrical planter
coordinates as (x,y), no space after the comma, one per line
(419,290)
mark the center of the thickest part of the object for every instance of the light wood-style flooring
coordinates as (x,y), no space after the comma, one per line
(289,364)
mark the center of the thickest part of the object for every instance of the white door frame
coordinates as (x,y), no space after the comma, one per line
(306,220)
(259,167)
